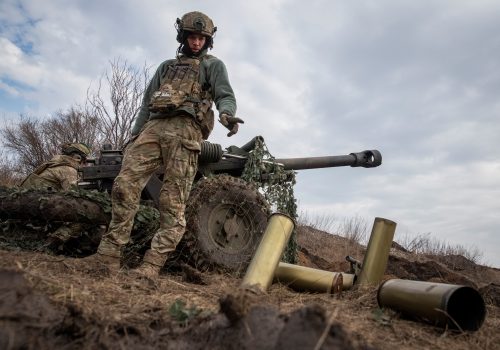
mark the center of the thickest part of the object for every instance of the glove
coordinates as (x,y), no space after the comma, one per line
(230,122)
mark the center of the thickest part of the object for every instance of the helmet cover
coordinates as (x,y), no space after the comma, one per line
(80,148)
(195,22)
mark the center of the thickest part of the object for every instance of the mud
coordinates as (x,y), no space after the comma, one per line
(30,320)
(263,327)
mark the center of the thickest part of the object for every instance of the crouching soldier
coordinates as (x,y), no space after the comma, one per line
(60,174)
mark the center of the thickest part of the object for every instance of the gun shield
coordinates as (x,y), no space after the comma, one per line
(440,304)
(377,252)
(307,279)
(261,270)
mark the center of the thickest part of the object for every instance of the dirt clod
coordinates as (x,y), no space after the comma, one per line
(26,317)
(236,305)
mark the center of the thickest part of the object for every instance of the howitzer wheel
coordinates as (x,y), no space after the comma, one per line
(226,218)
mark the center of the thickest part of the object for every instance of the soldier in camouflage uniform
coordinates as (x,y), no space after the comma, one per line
(60,174)
(175,116)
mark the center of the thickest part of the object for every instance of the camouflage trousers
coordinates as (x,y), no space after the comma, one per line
(174,144)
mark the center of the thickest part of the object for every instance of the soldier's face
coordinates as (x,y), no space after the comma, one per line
(196,42)
(79,158)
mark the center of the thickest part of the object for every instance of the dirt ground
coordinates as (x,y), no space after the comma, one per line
(57,302)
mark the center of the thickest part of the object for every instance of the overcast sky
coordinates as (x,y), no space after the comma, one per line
(417,80)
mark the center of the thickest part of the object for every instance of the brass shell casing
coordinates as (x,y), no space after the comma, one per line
(307,279)
(377,252)
(440,304)
(261,270)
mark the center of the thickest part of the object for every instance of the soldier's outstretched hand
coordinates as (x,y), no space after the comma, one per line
(231,123)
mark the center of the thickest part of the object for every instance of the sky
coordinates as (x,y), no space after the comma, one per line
(417,80)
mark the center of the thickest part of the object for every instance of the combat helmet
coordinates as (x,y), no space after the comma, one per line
(79,148)
(195,22)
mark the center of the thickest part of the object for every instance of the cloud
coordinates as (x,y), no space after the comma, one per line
(17,66)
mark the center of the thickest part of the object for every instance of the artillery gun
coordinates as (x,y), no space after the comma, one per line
(225,215)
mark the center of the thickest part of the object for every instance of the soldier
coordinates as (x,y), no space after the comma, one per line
(176,114)
(60,174)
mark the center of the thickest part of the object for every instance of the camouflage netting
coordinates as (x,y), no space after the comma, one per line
(276,184)
(28,216)
(217,206)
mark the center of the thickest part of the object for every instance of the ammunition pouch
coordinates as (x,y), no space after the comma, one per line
(205,118)
(166,99)
(179,84)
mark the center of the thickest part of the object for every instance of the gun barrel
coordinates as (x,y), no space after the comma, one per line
(365,159)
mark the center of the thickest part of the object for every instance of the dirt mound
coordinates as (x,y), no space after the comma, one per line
(49,301)
(31,320)
(327,252)
(264,327)
(456,262)
(428,270)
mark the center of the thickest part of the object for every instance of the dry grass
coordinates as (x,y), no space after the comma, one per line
(425,244)
(326,251)
(9,177)
(120,301)
(357,229)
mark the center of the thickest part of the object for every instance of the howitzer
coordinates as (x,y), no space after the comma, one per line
(226,215)
(213,160)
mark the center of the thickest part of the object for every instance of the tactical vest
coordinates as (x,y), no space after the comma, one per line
(180,89)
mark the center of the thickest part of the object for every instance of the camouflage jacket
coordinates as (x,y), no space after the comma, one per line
(213,74)
(60,174)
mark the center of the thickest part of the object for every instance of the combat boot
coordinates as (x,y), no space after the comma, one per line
(108,256)
(151,265)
